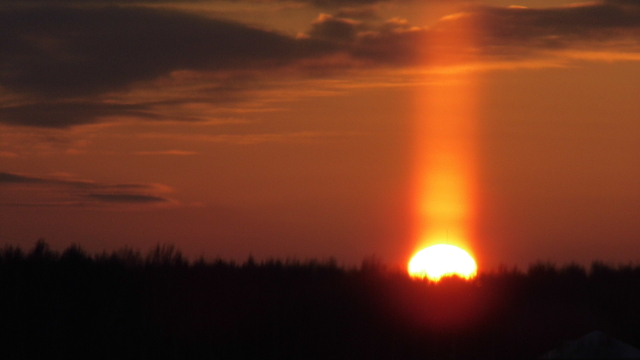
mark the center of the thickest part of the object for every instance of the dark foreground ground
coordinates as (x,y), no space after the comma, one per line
(127,306)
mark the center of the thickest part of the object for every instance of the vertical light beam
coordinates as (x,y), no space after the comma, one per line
(445,129)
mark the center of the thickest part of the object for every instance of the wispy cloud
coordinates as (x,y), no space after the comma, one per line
(127,198)
(29,190)
(64,114)
(167,152)
(8,178)
(251,139)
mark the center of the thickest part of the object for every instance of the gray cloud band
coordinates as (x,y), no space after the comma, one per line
(83,193)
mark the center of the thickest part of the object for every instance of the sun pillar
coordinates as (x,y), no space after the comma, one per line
(445,138)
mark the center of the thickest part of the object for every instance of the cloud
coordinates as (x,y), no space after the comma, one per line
(318,3)
(167,152)
(127,198)
(60,62)
(483,34)
(331,28)
(559,27)
(67,113)
(625,2)
(63,66)
(28,190)
(348,3)
(59,52)
(360,12)
(253,139)
(8,178)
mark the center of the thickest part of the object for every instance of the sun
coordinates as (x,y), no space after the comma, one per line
(441,260)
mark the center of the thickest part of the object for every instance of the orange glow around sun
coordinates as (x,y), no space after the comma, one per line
(445,137)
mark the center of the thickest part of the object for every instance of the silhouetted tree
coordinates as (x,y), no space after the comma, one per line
(124,305)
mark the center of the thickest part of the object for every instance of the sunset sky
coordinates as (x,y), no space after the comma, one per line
(323,128)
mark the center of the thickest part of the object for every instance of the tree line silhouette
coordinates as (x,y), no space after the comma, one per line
(123,305)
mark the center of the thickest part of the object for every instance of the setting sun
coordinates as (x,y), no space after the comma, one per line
(441,260)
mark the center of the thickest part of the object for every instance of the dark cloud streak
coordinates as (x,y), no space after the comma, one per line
(127,198)
(557,27)
(318,3)
(59,52)
(65,114)
(8,178)
(71,192)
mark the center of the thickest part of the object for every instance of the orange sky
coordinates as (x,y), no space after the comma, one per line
(317,129)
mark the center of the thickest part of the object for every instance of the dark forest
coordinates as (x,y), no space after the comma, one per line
(123,305)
